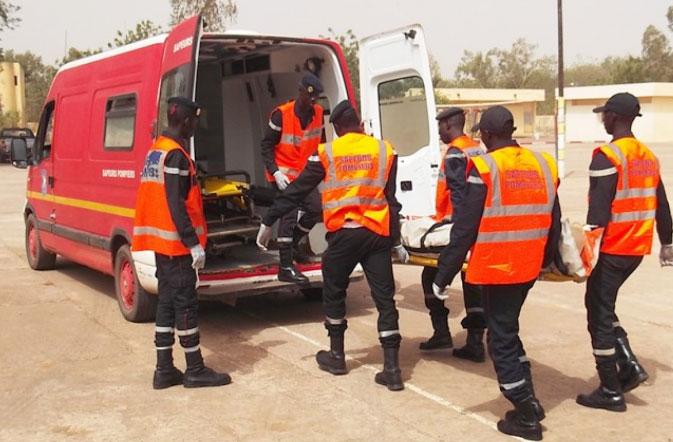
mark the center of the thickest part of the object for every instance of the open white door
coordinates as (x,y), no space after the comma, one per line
(398,105)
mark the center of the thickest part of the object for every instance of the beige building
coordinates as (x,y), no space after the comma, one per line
(13,91)
(521,102)
(656,102)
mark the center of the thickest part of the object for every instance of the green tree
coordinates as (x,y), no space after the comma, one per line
(351,48)
(476,69)
(8,18)
(75,54)
(144,29)
(38,76)
(216,13)
(656,56)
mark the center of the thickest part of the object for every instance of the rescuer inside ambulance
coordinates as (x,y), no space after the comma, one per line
(448,201)
(626,197)
(169,220)
(294,132)
(356,174)
(511,222)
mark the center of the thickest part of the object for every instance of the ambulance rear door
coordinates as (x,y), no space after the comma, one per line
(178,66)
(398,105)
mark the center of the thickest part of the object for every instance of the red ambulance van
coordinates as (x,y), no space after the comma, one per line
(102,113)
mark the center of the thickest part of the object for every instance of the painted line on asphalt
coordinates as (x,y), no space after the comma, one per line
(408,385)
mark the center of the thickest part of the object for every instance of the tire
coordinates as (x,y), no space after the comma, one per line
(313,294)
(39,258)
(135,303)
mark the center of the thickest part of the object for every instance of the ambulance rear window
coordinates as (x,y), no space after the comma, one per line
(120,121)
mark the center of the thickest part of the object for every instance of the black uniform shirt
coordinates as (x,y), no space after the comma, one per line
(178,183)
(274,131)
(602,188)
(455,167)
(311,177)
(466,228)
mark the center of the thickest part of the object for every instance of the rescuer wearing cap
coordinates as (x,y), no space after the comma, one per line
(510,207)
(626,196)
(356,174)
(294,132)
(449,198)
(169,220)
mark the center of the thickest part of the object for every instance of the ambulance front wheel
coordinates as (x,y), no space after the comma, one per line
(38,257)
(135,303)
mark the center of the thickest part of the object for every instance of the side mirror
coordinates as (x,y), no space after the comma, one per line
(19,153)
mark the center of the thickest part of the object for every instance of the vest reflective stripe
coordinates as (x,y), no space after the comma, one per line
(511,240)
(163,234)
(296,144)
(630,230)
(357,167)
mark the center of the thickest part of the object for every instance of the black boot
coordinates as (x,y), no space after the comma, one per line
(522,422)
(391,376)
(631,373)
(166,375)
(334,360)
(441,337)
(537,406)
(198,375)
(300,246)
(474,346)
(287,272)
(608,395)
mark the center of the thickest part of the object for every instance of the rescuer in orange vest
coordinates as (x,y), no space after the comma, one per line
(169,220)
(510,206)
(294,132)
(356,174)
(626,196)
(449,198)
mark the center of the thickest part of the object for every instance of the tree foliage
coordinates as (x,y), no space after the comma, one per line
(351,48)
(216,13)
(144,29)
(8,17)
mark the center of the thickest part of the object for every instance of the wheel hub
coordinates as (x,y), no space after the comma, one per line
(127,283)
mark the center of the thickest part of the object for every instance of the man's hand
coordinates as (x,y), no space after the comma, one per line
(198,257)
(264,236)
(282,181)
(402,254)
(666,255)
(439,292)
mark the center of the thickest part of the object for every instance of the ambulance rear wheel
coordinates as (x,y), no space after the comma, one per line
(38,257)
(135,303)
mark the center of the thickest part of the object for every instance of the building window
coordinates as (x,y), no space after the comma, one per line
(120,121)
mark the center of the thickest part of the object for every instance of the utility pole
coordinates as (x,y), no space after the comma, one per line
(560,101)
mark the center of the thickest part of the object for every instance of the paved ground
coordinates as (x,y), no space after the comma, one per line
(72,368)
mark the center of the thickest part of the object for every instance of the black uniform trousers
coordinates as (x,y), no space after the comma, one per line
(607,277)
(345,249)
(474,311)
(502,306)
(312,208)
(178,303)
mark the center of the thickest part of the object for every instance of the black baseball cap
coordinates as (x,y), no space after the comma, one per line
(187,104)
(312,84)
(343,108)
(623,103)
(496,120)
(449,112)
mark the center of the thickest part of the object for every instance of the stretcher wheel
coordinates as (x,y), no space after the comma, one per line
(135,303)
(39,258)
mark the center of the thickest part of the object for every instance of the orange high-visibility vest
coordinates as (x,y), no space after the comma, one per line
(631,226)
(470,148)
(521,189)
(153,227)
(357,167)
(296,144)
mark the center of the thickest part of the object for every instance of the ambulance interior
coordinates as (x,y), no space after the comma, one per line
(240,80)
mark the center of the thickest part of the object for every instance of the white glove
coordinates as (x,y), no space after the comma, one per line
(402,254)
(666,255)
(439,292)
(198,257)
(282,181)
(264,236)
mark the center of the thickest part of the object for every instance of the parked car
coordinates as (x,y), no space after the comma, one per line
(6,136)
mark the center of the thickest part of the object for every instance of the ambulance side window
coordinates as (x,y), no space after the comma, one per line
(120,122)
(174,83)
(42,146)
(404,114)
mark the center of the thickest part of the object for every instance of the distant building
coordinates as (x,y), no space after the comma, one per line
(656,102)
(521,102)
(13,91)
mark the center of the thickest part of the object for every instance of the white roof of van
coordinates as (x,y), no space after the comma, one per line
(116,51)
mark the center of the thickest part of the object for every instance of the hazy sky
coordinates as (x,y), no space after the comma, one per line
(593,28)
